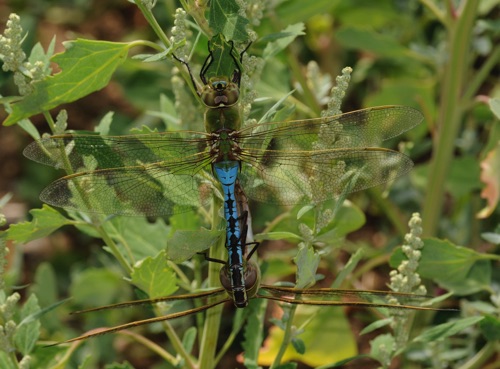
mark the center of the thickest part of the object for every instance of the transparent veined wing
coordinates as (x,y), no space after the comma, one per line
(154,174)
(317,159)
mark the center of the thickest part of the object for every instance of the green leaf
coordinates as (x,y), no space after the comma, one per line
(140,237)
(29,128)
(184,244)
(45,288)
(224,59)
(155,277)
(277,236)
(105,123)
(189,338)
(124,365)
(299,345)
(341,363)
(367,40)
(495,106)
(36,315)
(289,34)
(348,268)
(307,261)
(293,11)
(46,357)
(462,179)
(87,362)
(287,366)
(456,268)
(349,218)
(87,66)
(45,221)
(376,325)
(490,327)
(225,18)
(38,54)
(27,333)
(6,362)
(99,286)
(447,329)
(381,345)
(254,333)
(491,237)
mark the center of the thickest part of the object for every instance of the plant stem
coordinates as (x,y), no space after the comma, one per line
(286,338)
(392,212)
(177,344)
(309,97)
(213,317)
(450,115)
(481,75)
(114,249)
(153,23)
(482,356)
(436,11)
(152,346)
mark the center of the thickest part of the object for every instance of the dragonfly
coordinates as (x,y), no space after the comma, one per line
(255,290)
(285,163)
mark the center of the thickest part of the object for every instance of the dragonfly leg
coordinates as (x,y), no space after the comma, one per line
(237,74)
(207,258)
(254,248)
(243,218)
(190,74)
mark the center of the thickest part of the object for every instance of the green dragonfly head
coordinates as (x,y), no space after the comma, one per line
(220,92)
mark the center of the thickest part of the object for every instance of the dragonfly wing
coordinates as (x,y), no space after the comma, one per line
(361,128)
(294,177)
(155,190)
(332,297)
(75,151)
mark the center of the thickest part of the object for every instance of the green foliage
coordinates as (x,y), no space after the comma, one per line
(459,269)
(87,66)
(45,221)
(154,276)
(225,18)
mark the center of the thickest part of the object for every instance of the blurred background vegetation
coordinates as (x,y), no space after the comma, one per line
(441,57)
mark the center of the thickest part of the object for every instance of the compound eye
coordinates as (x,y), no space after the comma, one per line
(219,85)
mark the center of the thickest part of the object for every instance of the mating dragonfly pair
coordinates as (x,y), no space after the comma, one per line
(285,163)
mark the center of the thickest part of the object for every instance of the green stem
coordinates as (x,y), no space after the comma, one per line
(152,346)
(482,356)
(13,359)
(450,115)
(370,264)
(213,317)
(390,210)
(114,249)
(177,344)
(481,75)
(146,43)
(229,342)
(197,10)
(309,97)
(153,23)
(438,13)
(286,338)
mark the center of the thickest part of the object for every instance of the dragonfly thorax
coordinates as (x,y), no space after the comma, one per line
(223,146)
